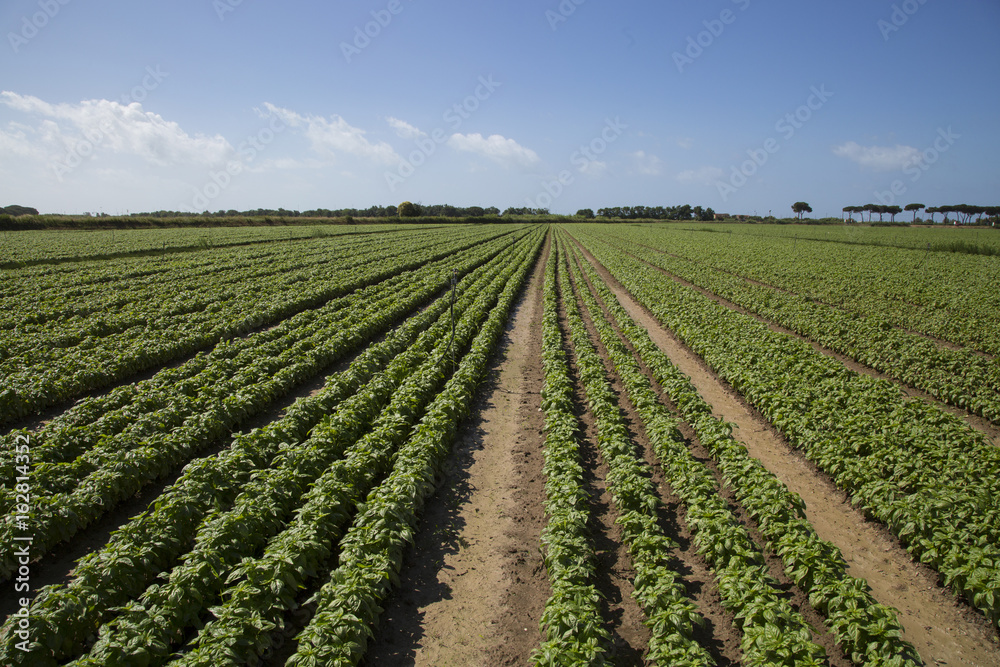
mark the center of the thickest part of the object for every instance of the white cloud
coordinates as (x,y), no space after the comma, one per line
(64,129)
(506,152)
(685,142)
(647,165)
(403,129)
(880,158)
(15,141)
(330,137)
(593,168)
(701,176)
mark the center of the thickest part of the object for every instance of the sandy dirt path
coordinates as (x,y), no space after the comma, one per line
(474,584)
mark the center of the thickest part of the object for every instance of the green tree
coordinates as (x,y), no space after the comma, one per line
(408,210)
(914,208)
(801,207)
(585,213)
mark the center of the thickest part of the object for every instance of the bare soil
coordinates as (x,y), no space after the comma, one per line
(944,630)
(474,584)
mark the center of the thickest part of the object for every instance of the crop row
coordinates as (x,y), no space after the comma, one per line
(946,295)
(669,613)
(67,616)
(114,351)
(136,405)
(867,631)
(957,377)
(371,553)
(222,405)
(49,247)
(575,633)
(340,462)
(922,472)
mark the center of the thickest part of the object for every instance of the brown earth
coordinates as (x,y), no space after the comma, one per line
(474,585)
(945,631)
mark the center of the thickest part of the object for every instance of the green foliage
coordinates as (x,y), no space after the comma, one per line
(924,473)
(408,210)
(293,450)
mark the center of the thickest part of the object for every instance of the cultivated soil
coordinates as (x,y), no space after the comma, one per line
(473,585)
(944,630)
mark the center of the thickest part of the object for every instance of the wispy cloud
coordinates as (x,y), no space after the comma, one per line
(506,152)
(403,129)
(333,136)
(646,164)
(593,168)
(880,158)
(701,176)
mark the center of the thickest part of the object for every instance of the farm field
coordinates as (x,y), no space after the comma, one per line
(25,248)
(512,444)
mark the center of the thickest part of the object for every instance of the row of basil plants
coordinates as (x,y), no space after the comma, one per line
(73,432)
(102,358)
(106,298)
(949,296)
(72,495)
(921,471)
(337,465)
(130,463)
(669,613)
(868,631)
(67,617)
(46,249)
(773,633)
(170,398)
(575,633)
(957,377)
(95,300)
(371,553)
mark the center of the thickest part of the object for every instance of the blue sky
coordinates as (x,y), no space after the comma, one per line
(741,105)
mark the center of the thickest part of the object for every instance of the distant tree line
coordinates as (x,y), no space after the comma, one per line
(18,210)
(682,212)
(391,211)
(964,212)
